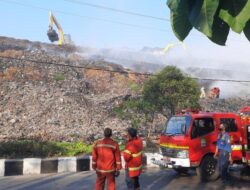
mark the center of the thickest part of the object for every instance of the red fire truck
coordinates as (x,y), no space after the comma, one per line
(189,141)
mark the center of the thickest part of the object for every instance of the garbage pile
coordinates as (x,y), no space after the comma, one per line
(40,98)
(224,105)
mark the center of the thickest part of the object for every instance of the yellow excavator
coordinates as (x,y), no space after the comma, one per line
(52,34)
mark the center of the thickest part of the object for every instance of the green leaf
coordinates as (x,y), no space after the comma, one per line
(235,14)
(179,18)
(220,31)
(247,30)
(202,15)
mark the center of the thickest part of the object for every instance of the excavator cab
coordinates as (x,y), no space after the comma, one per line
(52,35)
(67,39)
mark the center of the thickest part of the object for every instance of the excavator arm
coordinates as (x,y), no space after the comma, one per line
(52,34)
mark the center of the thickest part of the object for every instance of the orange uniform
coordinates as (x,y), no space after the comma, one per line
(106,159)
(133,156)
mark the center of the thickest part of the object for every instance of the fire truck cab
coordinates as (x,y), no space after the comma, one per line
(189,141)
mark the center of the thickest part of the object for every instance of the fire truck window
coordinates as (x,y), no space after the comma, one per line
(230,123)
(201,127)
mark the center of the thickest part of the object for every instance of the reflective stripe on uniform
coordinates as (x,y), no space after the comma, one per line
(133,155)
(127,151)
(236,147)
(93,162)
(105,171)
(118,162)
(137,154)
(106,145)
(135,168)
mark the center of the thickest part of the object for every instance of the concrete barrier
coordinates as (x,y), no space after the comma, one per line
(49,165)
(57,165)
(2,167)
(13,167)
(83,164)
(67,164)
(90,163)
(32,166)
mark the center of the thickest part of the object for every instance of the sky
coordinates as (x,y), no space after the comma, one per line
(29,19)
(32,23)
(95,27)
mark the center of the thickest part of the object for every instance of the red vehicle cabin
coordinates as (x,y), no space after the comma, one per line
(189,141)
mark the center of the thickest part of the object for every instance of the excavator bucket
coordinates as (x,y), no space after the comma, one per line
(52,35)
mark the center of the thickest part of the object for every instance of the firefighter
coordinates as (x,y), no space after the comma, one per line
(133,159)
(106,161)
(203,93)
(223,148)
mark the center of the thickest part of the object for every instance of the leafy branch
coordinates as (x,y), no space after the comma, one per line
(213,18)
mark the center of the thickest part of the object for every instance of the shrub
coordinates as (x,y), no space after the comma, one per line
(59,77)
(32,148)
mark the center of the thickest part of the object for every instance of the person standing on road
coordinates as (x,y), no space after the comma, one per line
(133,158)
(106,161)
(223,148)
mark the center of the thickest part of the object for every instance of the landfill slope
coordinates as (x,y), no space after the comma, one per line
(40,98)
(51,92)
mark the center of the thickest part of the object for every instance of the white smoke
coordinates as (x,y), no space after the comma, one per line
(202,63)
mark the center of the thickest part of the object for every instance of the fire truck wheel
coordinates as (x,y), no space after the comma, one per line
(208,170)
(245,172)
(181,170)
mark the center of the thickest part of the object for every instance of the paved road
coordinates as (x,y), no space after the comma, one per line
(152,179)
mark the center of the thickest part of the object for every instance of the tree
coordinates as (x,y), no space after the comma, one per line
(136,110)
(163,93)
(170,90)
(214,18)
